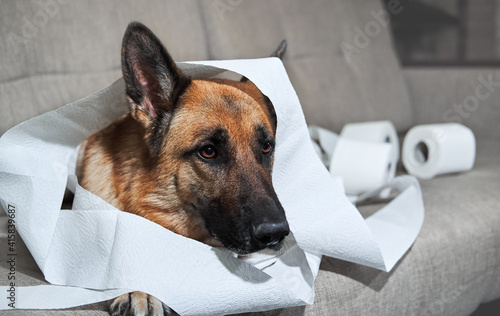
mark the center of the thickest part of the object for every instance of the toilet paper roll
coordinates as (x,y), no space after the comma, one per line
(379,132)
(363,166)
(95,252)
(430,150)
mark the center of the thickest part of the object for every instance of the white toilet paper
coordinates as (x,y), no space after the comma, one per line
(430,150)
(378,132)
(364,166)
(95,252)
(380,172)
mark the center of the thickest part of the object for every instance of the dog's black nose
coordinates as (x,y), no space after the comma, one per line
(270,233)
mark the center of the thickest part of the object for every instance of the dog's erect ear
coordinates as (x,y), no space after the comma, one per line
(153,81)
(279,52)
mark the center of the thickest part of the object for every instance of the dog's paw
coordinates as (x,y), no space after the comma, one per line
(138,304)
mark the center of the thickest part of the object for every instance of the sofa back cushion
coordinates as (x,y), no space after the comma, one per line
(56,51)
(340,56)
(53,52)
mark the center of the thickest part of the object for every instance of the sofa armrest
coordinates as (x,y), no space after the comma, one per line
(470,96)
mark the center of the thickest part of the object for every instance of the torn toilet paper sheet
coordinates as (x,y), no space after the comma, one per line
(95,251)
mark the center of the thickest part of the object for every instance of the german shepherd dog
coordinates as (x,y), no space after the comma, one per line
(194,156)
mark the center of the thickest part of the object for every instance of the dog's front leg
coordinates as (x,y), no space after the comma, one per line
(139,304)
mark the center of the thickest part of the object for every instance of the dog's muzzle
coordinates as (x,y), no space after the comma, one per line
(270,233)
(269,226)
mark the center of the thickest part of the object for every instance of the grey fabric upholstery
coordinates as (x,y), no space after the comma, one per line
(452,267)
(468,96)
(454,264)
(77,51)
(334,86)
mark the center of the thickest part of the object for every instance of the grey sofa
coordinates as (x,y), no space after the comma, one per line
(54,52)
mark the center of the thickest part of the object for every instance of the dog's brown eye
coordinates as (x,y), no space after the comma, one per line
(208,152)
(266,148)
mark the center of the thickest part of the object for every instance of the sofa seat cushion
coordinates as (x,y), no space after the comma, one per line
(453,266)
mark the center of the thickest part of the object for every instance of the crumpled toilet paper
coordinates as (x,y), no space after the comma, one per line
(95,252)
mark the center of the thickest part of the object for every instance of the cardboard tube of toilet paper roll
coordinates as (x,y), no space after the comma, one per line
(364,166)
(430,150)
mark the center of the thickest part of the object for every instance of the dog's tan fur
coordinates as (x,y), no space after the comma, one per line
(114,162)
(149,162)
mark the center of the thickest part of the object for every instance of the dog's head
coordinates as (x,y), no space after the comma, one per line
(211,145)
